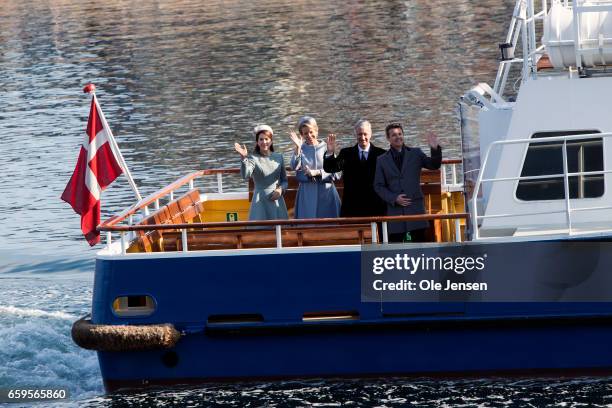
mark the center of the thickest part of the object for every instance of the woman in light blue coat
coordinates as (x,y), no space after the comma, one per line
(317,196)
(269,176)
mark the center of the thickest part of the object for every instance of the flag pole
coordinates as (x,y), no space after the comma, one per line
(91,89)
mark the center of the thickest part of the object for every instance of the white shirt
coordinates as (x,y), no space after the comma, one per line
(365,151)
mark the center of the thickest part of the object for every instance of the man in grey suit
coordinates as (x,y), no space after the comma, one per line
(398,181)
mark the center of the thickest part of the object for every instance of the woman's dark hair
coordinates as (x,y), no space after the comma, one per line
(257,140)
(393,125)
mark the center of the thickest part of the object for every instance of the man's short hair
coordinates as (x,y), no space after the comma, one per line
(393,125)
(362,123)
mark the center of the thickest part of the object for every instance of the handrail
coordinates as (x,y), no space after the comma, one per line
(152,198)
(566,174)
(523,25)
(312,221)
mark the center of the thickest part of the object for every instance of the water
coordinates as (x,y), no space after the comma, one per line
(179,83)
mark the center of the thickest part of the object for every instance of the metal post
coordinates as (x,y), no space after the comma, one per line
(146,210)
(123,244)
(172,195)
(131,219)
(568,210)
(457,230)
(115,148)
(525,41)
(532,35)
(279,237)
(384,233)
(219,183)
(191,184)
(576,24)
(157,204)
(374,237)
(508,65)
(108,238)
(511,37)
(184,239)
(443,175)
(475,215)
(477,189)
(581,171)
(454,174)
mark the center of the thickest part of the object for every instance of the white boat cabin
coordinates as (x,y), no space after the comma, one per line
(539,163)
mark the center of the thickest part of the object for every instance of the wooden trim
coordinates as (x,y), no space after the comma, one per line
(266,238)
(313,221)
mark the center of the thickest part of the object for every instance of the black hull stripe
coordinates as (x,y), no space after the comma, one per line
(395,324)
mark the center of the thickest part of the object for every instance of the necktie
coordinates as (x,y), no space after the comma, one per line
(363,156)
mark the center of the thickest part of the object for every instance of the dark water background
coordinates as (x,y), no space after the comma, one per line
(179,82)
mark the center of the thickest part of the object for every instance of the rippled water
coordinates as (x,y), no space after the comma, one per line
(179,82)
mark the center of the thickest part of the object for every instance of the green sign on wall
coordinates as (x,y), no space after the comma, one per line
(231,216)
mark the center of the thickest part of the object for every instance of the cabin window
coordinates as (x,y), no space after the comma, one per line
(583,155)
(133,305)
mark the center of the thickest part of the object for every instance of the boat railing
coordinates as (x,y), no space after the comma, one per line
(475,217)
(450,174)
(449,171)
(316,223)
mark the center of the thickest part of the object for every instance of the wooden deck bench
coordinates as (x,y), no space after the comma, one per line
(185,209)
(266,238)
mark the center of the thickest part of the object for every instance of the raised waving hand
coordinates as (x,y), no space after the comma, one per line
(297,140)
(331,143)
(242,150)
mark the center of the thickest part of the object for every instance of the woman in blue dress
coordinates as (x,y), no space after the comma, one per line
(317,196)
(269,176)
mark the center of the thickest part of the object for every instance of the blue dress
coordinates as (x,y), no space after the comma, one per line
(268,173)
(316,197)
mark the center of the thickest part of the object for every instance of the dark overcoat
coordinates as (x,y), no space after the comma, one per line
(390,182)
(359,198)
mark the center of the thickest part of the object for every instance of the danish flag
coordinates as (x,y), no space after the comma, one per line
(96,168)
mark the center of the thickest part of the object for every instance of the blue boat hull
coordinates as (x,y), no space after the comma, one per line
(383,339)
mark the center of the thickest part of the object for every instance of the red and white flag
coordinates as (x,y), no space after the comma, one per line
(96,168)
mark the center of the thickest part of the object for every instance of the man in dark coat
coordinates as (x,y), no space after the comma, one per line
(358,165)
(398,181)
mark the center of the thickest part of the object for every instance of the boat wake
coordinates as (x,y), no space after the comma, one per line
(36,350)
(24,312)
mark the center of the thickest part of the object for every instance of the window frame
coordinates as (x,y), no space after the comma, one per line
(555,133)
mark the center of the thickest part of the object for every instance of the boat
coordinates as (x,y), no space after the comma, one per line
(187,291)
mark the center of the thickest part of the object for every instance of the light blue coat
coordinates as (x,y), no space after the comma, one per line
(316,197)
(268,173)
